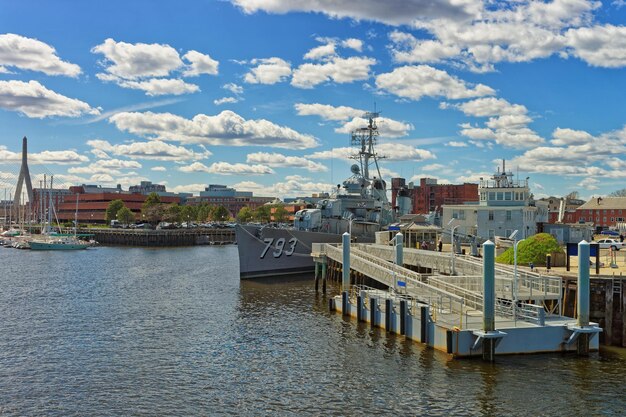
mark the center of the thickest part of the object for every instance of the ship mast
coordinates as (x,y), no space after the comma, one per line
(365,138)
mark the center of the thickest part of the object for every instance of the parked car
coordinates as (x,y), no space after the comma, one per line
(610,243)
(609,233)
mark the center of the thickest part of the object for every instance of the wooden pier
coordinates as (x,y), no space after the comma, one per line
(174,237)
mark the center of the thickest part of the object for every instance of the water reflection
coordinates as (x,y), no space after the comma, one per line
(121,331)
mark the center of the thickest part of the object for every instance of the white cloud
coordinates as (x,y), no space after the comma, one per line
(322,51)
(105,166)
(392,12)
(562,137)
(158,169)
(327,112)
(194,167)
(133,61)
(31,54)
(600,46)
(589,184)
(187,188)
(455,144)
(408,50)
(233,88)
(490,106)
(390,152)
(293,186)
(519,31)
(36,101)
(45,157)
(415,82)
(200,64)
(226,128)
(477,133)
(161,86)
(386,127)
(277,160)
(224,168)
(152,150)
(268,71)
(142,66)
(225,100)
(336,69)
(353,43)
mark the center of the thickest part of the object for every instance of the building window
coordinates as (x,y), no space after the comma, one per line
(499,194)
(483,196)
(508,232)
(604,219)
(492,195)
(507,196)
(490,214)
(492,234)
(508,215)
(612,219)
(582,219)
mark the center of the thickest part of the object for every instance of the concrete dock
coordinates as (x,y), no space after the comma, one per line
(495,312)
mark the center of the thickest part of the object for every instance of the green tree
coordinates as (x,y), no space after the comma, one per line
(203,211)
(125,216)
(221,214)
(172,213)
(187,213)
(152,210)
(262,214)
(245,215)
(112,209)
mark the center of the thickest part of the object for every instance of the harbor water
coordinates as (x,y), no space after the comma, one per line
(138,331)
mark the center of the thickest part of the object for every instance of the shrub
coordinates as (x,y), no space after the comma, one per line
(533,249)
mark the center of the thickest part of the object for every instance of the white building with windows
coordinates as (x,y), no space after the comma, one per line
(505,205)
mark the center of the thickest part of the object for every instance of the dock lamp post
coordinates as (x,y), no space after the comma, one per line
(452,254)
(515,285)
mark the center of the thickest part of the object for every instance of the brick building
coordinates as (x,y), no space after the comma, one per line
(91,207)
(604,212)
(429,196)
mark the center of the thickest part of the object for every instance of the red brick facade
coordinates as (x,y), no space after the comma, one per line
(430,196)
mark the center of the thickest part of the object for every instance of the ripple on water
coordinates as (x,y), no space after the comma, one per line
(124,331)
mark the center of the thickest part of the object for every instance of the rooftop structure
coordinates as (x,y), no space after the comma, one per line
(505,205)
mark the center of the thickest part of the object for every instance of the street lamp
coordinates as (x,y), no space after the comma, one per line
(515,290)
(452,229)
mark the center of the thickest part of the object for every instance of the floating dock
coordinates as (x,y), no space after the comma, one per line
(499,312)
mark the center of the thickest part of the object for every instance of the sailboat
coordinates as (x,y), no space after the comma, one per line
(59,241)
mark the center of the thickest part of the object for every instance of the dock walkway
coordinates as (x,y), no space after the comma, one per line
(447,311)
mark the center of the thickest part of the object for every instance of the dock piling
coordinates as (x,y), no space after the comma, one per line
(489,299)
(345,282)
(583,296)
(399,249)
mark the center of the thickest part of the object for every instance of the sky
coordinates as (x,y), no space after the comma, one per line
(262,95)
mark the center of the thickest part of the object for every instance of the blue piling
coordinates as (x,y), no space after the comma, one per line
(399,249)
(582,297)
(345,282)
(489,299)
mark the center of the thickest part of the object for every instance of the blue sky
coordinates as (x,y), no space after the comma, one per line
(261,95)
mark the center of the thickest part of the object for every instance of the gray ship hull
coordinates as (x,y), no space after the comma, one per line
(273,252)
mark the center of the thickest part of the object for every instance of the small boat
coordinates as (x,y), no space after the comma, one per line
(58,243)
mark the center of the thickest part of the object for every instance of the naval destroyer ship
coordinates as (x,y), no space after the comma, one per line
(358,206)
